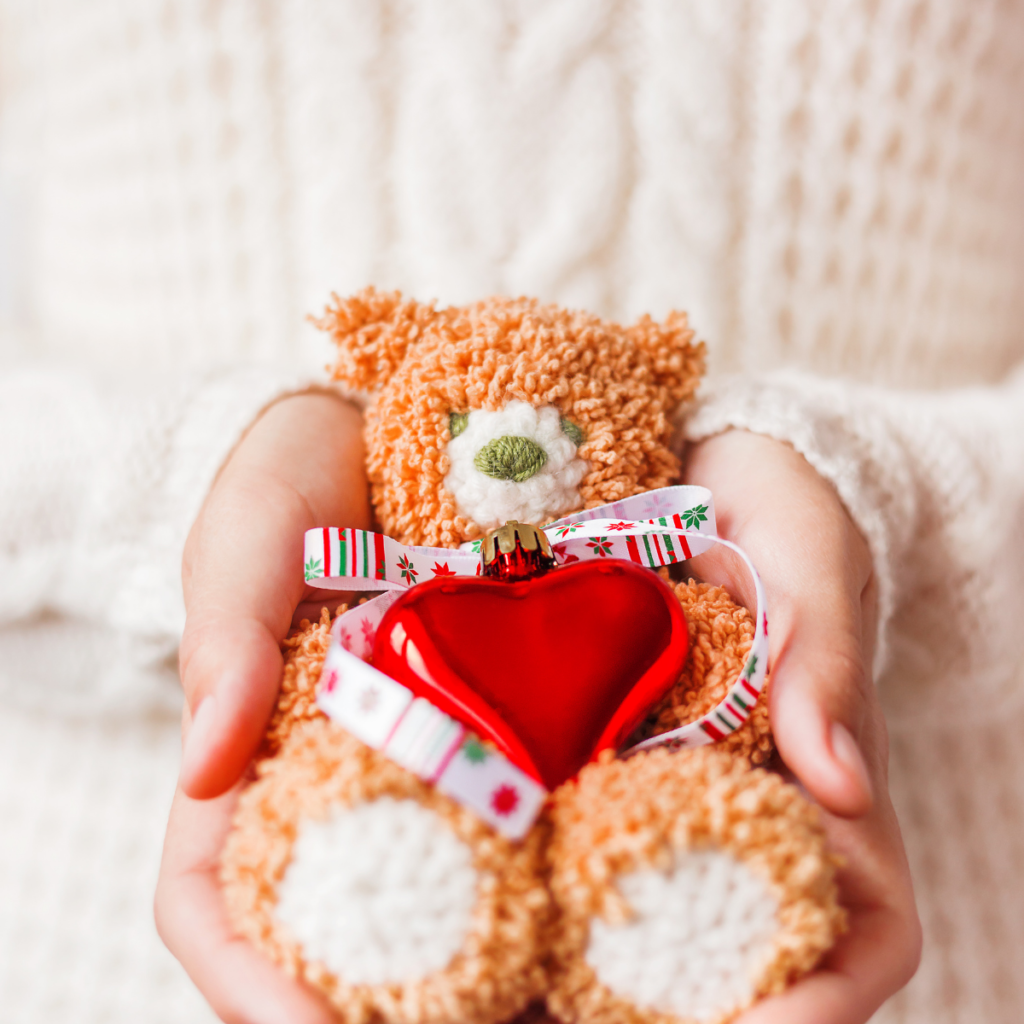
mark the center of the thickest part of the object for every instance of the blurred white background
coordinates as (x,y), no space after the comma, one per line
(837,187)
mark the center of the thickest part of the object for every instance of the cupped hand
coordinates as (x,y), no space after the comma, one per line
(824,712)
(300,466)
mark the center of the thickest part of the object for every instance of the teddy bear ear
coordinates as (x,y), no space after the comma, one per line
(676,358)
(373,331)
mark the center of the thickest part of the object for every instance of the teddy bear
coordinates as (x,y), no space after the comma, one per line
(674,884)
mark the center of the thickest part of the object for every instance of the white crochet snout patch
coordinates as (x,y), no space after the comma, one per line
(379,893)
(552,491)
(700,937)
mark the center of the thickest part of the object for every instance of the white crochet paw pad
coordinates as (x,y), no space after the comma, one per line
(381,892)
(698,941)
(550,491)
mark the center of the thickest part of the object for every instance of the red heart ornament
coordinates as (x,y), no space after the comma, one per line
(553,669)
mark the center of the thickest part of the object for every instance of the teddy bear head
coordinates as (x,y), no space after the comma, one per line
(507,409)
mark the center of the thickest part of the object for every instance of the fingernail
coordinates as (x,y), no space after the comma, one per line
(203,722)
(845,748)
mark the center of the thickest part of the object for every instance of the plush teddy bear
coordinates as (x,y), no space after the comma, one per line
(667,886)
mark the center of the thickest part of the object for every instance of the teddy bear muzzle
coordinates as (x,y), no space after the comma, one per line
(520,462)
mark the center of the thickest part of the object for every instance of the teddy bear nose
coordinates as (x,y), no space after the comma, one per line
(510,458)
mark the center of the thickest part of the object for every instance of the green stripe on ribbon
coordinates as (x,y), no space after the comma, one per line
(651,560)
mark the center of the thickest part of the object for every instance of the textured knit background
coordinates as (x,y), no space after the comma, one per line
(833,188)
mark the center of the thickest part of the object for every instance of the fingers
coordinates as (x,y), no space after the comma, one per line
(299,467)
(247,579)
(822,702)
(818,693)
(231,668)
(881,951)
(878,961)
(241,985)
(819,708)
(816,570)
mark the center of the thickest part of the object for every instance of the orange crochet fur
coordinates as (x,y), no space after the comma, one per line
(537,903)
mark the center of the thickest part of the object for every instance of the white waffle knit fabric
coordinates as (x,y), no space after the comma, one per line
(831,189)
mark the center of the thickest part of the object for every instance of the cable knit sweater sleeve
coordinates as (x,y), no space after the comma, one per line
(935,481)
(99,484)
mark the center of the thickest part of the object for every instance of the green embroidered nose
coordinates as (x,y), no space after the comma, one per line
(511,458)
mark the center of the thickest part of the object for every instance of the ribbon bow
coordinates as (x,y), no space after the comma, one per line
(653,529)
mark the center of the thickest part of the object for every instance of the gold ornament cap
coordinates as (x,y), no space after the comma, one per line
(516,551)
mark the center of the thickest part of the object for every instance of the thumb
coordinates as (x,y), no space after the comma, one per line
(300,466)
(819,705)
(246,581)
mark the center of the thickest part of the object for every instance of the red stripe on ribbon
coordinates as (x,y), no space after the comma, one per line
(753,693)
(657,547)
(378,556)
(327,551)
(715,734)
(634,551)
(736,712)
(677,522)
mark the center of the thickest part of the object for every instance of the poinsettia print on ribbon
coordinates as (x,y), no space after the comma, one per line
(493,787)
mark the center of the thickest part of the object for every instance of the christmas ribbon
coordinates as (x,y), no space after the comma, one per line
(653,529)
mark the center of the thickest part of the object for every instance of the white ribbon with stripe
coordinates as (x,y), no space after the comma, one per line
(654,529)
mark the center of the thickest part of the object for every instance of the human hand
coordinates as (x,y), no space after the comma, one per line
(300,466)
(824,711)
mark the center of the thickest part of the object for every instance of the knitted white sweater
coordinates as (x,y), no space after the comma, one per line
(832,189)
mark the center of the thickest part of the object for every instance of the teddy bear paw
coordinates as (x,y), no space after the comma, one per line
(689,885)
(700,931)
(365,882)
(380,893)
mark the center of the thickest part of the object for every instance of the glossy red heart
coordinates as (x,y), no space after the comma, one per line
(553,669)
